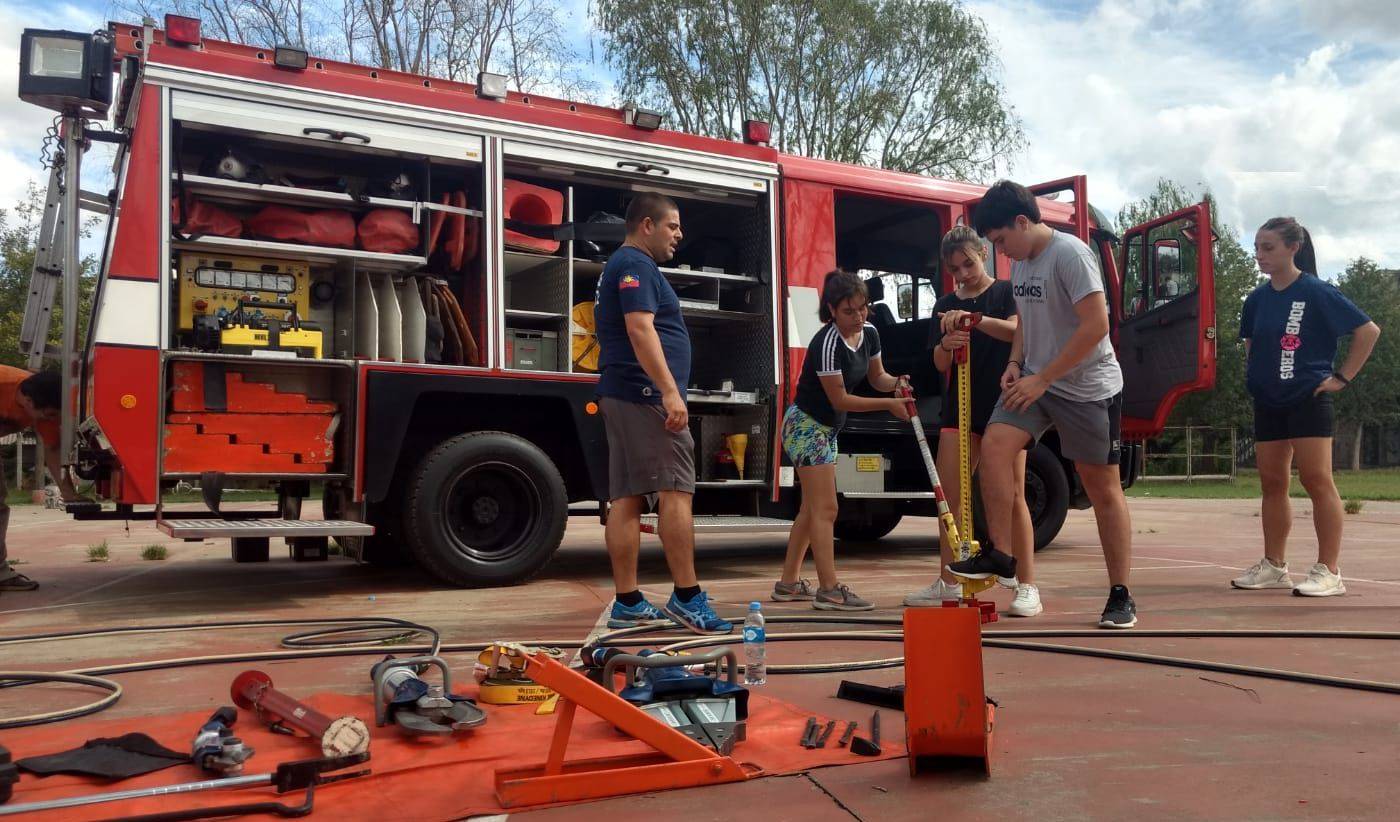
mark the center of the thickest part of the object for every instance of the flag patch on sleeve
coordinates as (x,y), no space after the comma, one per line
(628,281)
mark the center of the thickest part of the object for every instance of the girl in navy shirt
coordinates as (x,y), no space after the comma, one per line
(1290,327)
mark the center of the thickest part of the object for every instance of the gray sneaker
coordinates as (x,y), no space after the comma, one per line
(799,591)
(840,598)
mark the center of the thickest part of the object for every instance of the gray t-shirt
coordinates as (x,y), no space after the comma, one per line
(1046,289)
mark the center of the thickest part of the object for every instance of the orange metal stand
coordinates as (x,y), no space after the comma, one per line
(679,762)
(946,713)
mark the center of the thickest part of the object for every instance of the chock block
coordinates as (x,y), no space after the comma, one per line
(948,719)
(988,610)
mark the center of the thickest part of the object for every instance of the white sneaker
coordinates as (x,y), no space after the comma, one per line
(1027,601)
(1264,574)
(934,594)
(1321,583)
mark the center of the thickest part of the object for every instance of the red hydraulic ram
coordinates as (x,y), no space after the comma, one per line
(346,735)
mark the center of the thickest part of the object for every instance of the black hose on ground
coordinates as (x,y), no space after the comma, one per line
(313,645)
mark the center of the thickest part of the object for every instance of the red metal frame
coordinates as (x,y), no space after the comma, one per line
(680,762)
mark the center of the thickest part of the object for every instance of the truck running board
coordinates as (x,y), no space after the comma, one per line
(254,528)
(719,524)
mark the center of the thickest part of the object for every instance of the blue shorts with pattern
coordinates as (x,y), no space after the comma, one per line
(807,441)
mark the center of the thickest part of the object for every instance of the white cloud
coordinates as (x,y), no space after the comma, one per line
(22,125)
(1131,92)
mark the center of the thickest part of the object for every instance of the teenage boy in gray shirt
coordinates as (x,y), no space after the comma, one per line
(1062,374)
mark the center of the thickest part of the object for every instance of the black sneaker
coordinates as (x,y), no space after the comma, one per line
(989,562)
(1121,611)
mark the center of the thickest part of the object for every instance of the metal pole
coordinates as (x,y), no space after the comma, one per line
(1234,454)
(1188,454)
(72,174)
(117,796)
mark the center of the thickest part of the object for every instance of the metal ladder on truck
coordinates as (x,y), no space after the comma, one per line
(57,266)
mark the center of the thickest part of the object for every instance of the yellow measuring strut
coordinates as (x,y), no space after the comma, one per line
(966,547)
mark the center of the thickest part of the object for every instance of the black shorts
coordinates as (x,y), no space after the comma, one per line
(1312,417)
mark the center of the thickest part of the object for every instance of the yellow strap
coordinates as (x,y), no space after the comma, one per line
(965,442)
(518,692)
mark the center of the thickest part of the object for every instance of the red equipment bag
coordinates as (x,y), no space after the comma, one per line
(388,231)
(282,224)
(202,218)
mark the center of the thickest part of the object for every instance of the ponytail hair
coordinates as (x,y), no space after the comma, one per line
(838,287)
(1292,233)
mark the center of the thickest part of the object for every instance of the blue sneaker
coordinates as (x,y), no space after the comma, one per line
(697,615)
(631,616)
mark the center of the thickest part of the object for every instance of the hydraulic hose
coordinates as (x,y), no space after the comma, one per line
(323,644)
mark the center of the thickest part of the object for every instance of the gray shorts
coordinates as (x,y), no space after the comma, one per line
(1090,432)
(643,457)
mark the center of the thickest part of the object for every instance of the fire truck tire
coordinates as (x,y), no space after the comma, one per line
(485,508)
(865,526)
(1047,497)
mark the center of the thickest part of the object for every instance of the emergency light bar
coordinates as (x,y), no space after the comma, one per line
(182,31)
(67,71)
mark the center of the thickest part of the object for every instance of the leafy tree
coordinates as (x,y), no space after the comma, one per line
(527,40)
(903,84)
(1236,274)
(1374,398)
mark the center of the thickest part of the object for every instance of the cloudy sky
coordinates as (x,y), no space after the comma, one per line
(1277,106)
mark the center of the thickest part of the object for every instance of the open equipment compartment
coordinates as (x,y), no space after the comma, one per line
(280,215)
(722,273)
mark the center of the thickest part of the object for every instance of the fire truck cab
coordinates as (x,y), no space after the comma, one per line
(333,279)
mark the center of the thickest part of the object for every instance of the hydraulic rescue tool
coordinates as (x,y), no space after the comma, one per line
(253,691)
(706,709)
(403,697)
(216,749)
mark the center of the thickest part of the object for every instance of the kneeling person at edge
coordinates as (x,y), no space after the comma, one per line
(842,354)
(645,362)
(1062,373)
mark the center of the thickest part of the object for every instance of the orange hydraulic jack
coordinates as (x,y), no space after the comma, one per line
(948,718)
(679,762)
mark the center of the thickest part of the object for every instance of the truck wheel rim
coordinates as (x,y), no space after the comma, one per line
(492,511)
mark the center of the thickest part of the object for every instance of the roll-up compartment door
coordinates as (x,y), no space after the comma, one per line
(662,169)
(310,127)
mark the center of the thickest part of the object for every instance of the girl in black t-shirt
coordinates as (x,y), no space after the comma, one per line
(964,257)
(842,355)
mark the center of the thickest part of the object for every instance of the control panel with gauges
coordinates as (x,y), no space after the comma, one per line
(235,301)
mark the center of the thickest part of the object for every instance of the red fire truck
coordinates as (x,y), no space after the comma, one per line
(325,277)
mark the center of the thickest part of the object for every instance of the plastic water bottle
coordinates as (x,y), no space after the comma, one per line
(755,669)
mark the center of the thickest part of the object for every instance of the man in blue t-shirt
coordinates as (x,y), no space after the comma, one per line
(645,363)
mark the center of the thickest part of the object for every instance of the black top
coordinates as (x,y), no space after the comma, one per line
(829,355)
(989,355)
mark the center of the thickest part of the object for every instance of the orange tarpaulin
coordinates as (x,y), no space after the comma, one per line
(413,777)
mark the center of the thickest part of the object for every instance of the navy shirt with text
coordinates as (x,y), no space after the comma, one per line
(631,281)
(1293,337)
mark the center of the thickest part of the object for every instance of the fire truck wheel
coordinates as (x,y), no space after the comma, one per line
(1047,497)
(865,526)
(485,508)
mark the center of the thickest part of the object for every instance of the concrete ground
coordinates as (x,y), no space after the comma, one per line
(1076,738)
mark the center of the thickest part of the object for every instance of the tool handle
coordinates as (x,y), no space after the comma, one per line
(907,394)
(632,661)
(966,323)
(225,716)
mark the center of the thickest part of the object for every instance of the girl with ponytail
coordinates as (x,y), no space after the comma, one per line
(842,355)
(1290,326)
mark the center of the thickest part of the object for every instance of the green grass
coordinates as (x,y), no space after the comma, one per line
(154,552)
(1370,484)
(1353,506)
(98,552)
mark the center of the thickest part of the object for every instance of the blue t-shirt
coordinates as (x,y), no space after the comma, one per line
(1293,337)
(632,282)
